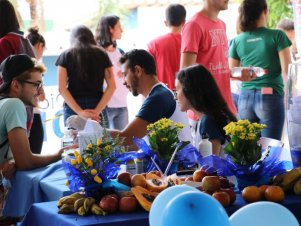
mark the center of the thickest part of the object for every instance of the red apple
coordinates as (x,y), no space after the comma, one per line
(198,175)
(231,194)
(109,203)
(211,184)
(222,197)
(127,204)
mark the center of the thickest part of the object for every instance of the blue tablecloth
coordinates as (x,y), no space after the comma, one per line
(39,185)
(48,210)
(44,214)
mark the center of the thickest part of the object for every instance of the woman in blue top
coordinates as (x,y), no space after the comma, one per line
(196,90)
(262,98)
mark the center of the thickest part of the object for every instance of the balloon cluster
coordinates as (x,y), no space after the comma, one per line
(185,205)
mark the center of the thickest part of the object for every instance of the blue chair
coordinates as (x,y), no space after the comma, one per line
(263,214)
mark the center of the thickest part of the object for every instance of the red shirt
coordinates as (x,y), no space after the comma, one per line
(208,39)
(9,44)
(166,50)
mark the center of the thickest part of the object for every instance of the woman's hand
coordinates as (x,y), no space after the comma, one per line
(8,169)
(90,113)
(247,75)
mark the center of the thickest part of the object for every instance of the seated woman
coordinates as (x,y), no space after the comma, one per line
(196,90)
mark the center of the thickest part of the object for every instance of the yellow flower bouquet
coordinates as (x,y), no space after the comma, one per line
(164,137)
(245,158)
(98,162)
(243,146)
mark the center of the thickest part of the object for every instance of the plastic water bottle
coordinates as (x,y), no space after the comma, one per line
(236,71)
(139,166)
(67,139)
(131,167)
(205,146)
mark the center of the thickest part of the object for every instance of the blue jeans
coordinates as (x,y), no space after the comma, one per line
(267,109)
(235,99)
(86,103)
(118,118)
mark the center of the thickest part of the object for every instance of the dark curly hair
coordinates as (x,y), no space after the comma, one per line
(141,58)
(200,89)
(249,13)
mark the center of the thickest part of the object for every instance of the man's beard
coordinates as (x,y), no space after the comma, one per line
(134,88)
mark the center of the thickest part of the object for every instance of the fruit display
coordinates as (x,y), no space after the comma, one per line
(264,192)
(78,203)
(143,190)
(220,189)
(289,181)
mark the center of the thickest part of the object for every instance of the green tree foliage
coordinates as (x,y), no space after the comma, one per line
(108,7)
(279,9)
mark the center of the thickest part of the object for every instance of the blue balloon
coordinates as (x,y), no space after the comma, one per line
(155,214)
(194,209)
(262,214)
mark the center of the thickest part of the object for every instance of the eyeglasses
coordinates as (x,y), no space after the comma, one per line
(38,85)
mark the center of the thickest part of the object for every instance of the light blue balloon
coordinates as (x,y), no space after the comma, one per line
(263,214)
(194,209)
(155,214)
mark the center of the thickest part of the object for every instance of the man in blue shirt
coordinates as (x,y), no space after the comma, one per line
(139,71)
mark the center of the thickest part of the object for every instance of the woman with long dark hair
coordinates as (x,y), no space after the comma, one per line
(11,37)
(82,70)
(196,90)
(107,32)
(262,98)
(36,137)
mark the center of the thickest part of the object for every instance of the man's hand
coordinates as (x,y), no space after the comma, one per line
(8,169)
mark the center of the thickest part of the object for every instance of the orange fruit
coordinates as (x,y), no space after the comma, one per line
(262,189)
(274,194)
(251,194)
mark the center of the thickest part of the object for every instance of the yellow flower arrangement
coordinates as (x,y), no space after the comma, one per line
(96,163)
(243,147)
(163,137)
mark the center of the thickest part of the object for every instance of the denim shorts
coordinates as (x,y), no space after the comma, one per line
(263,108)
(86,103)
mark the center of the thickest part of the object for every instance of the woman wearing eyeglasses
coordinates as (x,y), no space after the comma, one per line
(197,91)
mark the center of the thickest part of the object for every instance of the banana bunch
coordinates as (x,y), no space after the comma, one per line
(78,203)
(290,180)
